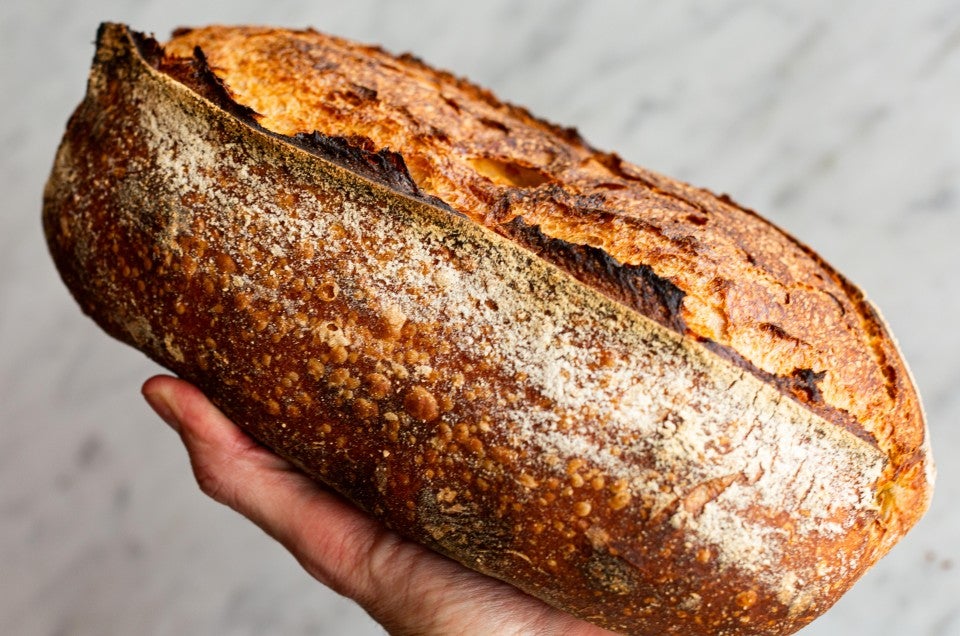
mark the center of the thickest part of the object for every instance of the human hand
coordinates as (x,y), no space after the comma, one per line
(405,587)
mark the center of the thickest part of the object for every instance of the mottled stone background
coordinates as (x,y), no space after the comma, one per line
(839,120)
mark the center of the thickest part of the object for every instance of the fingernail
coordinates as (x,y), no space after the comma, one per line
(161,406)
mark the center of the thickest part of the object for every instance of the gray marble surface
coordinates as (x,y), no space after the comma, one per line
(839,120)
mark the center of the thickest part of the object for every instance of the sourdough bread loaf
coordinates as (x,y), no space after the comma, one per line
(627,396)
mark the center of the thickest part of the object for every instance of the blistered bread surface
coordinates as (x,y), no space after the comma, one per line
(482,384)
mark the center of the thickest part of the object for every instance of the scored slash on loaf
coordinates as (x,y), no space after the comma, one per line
(629,397)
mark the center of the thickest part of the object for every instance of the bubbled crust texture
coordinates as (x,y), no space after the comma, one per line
(747,289)
(470,394)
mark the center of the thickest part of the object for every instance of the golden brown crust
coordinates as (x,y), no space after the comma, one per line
(475,396)
(695,262)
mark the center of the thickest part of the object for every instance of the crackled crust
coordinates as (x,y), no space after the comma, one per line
(581,441)
(696,262)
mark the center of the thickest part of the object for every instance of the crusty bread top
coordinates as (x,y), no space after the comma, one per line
(695,262)
(510,401)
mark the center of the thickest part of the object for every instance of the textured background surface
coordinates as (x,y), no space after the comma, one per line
(837,120)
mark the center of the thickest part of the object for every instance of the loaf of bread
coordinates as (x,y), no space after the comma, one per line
(629,397)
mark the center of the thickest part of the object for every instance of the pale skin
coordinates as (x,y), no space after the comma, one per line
(406,588)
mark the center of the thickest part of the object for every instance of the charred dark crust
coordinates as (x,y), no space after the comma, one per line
(639,288)
(802,386)
(635,286)
(195,73)
(360,155)
(356,154)
(146,45)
